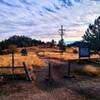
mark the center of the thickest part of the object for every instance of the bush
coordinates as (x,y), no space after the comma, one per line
(1,52)
(75,51)
(24,52)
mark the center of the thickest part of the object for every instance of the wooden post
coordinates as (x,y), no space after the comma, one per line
(13,62)
(68,68)
(68,75)
(26,72)
(49,73)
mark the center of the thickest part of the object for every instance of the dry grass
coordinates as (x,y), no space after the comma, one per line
(65,57)
(91,70)
(56,54)
(31,60)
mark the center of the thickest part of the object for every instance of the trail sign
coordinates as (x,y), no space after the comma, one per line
(84,52)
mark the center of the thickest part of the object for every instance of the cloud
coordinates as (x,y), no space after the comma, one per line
(41,19)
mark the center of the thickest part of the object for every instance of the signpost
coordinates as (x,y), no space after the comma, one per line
(83,53)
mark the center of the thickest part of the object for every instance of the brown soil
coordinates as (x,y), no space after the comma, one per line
(79,88)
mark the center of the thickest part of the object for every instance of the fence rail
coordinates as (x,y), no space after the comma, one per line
(27,75)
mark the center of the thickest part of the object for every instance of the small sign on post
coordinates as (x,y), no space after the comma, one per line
(84,52)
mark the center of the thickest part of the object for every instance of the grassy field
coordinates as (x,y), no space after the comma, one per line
(31,60)
(85,86)
(36,56)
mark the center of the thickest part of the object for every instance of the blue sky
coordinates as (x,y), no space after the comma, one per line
(41,19)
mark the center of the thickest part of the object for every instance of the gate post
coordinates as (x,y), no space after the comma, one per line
(13,62)
(49,74)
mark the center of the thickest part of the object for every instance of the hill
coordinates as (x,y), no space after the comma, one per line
(19,41)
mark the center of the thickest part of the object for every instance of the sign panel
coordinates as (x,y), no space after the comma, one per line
(84,52)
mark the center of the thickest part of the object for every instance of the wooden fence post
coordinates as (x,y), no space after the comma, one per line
(26,72)
(68,73)
(13,62)
(49,74)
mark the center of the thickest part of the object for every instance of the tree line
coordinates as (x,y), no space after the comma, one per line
(23,41)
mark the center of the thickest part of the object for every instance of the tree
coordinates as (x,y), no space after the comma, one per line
(62,46)
(24,52)
(92,35)
(1,52)
(19,41)
(53,42)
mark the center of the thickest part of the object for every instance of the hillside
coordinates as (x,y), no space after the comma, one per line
(20,41)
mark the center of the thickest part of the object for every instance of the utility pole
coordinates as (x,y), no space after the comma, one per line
(62,39)
(62,32)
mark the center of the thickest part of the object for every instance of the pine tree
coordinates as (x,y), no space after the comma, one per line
(53,42)
(1,51)
(92,35)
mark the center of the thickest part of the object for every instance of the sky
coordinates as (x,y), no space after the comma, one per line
(41,19)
